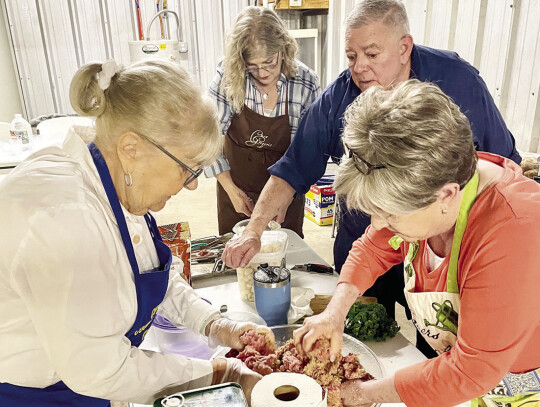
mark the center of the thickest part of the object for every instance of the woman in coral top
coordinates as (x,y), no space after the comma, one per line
(467,227)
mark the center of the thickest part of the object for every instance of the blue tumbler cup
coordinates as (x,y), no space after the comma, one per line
(272,287)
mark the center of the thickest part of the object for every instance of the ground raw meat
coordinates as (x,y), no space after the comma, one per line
(261,357)
(258,354)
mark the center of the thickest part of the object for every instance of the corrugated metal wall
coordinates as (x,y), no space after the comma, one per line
(500,37)
(52,38)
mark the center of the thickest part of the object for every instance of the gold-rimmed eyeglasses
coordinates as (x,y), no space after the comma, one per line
(194,173)
(361,165)
(268,67)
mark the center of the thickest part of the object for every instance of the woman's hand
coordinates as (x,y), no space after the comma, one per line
(359,393)
(234,370)
(323,325)
(329,324)
(352,394)
(241,202)
(226,332)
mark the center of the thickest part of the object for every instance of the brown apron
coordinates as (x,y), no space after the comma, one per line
(252,144)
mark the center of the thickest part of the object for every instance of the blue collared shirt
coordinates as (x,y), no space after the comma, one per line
(319,133)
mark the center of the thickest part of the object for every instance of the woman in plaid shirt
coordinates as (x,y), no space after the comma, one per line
(261,91)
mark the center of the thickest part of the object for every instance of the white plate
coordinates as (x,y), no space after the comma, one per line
(367,358)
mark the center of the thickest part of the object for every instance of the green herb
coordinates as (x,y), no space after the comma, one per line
(370,322)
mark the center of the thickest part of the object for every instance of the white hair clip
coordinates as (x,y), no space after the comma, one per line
(108,70)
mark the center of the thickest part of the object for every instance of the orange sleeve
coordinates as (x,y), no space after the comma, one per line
(370,256)
(499,281)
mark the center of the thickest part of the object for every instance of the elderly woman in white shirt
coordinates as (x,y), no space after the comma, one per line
(83,270)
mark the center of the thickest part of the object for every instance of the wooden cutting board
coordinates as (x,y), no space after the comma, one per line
(319,302)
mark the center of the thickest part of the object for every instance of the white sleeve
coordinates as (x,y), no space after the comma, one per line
(70,271)
(183,306)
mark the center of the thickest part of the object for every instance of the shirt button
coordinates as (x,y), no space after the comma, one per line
(136,239)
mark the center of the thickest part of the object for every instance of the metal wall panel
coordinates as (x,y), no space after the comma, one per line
(470,20)
(417,12)
(520,106)
(32,67)
(499,37)
(335,55)
(209,15)
(498,27)
(52,38)
(444,13)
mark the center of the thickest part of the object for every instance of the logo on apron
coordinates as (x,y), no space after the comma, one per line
(257,139)
(445,316)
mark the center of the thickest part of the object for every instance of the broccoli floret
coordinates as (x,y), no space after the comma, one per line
(370,322)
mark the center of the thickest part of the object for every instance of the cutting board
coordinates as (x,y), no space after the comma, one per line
(319,302)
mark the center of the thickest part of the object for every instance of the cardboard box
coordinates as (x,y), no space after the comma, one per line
(320,204)
(178,237)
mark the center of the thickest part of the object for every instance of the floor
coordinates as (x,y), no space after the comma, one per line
(199,208)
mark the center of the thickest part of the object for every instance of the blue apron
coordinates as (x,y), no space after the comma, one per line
(150,286)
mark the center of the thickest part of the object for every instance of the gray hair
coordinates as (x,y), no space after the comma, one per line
(418,133)
(392,13)
(255,27)
(155,98)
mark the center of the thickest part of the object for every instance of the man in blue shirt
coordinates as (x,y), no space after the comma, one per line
(380,51)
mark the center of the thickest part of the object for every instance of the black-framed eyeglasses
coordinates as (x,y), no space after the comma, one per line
(253,69)
(194,173)
(361,165)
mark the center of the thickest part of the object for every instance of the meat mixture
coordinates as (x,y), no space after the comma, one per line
(261,357)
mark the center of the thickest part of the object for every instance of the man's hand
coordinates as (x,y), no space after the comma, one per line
(238,252)
(282,212)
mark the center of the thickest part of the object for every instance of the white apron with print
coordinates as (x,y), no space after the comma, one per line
(436,315)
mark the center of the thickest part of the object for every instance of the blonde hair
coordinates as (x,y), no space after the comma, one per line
(392,13)
(254,27)
(157,99)
(421,137)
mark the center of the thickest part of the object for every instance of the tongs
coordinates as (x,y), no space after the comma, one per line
(206,243)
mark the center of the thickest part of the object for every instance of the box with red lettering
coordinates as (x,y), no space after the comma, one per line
(320,204)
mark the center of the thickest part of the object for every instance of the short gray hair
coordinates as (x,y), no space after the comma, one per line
(155,98)
(418,133)
(391,12)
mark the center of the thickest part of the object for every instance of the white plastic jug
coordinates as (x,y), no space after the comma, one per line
(20,134)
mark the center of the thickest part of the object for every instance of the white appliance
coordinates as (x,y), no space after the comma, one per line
(167,49)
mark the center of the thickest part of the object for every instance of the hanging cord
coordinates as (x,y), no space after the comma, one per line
(139,21)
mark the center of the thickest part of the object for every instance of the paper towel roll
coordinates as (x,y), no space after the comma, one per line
(287,389)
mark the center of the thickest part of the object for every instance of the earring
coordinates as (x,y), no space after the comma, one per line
(444,211)
(128,179)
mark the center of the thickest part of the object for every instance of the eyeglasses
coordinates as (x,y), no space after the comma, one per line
(254,69)
(361,165)
(194,173)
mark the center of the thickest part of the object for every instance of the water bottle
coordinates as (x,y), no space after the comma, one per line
(20,134)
